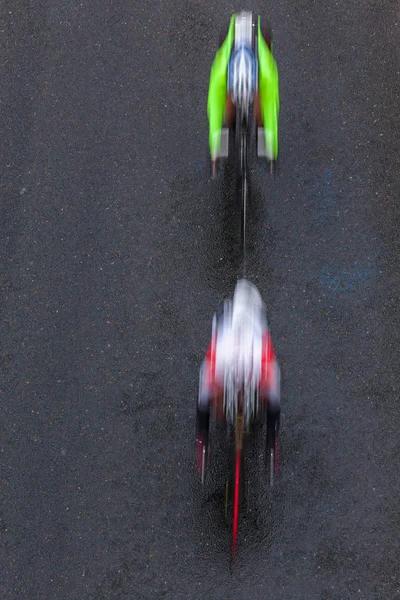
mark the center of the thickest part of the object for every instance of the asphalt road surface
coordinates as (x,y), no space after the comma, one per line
(116,249)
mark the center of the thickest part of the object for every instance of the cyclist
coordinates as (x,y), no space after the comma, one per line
(241,343)
(225,89)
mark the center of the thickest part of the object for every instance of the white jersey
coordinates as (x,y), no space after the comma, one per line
(239,336)
(241,351)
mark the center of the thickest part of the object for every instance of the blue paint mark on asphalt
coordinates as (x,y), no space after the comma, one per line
(347,279)
(325,198)
(199,165)
(55,11)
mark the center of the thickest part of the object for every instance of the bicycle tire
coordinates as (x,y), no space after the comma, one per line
(244,206)
(236,499)
(234,483)
(204,459)
(272,453)
(234,495)
(271,470)
(244,184)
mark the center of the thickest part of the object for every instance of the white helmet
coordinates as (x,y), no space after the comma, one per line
(242,68)
(242,77)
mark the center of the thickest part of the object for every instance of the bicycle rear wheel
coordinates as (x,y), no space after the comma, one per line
(236,499)
(234,484)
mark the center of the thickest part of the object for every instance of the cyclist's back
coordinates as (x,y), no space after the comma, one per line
(244,69)
(238,336)
(241,349)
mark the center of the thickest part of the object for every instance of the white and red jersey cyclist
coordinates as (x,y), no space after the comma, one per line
(241,344)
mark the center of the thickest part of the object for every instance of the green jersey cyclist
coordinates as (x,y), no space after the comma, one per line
(244,70)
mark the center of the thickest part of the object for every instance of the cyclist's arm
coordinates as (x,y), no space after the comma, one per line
(266,31)
(268,83)
(270,374)
(217,91)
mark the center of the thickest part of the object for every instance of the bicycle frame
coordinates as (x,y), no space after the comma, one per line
(249,405)
(237,484)
(240,407)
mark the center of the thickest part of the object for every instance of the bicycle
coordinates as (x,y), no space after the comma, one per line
(242,412)
(242,78)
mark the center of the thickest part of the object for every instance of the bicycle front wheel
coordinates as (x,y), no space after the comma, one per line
(244,192)
(236,499)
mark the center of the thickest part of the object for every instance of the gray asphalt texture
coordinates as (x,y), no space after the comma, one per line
(116,249)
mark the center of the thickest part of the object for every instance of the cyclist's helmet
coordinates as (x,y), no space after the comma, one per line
(242,68)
